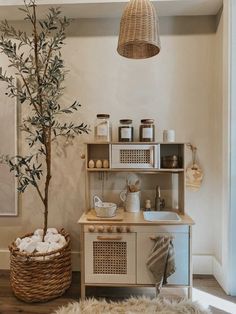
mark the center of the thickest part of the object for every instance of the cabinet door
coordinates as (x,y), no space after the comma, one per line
(181,247)
(110,258)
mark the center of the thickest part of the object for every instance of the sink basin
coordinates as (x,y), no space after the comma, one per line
(160,216)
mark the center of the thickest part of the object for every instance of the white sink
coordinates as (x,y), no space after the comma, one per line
(160,216)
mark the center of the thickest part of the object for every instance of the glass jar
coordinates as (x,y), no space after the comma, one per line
(126,131)
(147,130)
(103,129)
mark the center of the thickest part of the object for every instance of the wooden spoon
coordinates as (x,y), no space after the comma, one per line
(132,188)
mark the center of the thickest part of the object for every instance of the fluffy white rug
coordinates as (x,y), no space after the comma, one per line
(133,306)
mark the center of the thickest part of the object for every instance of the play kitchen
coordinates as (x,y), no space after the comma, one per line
(135,208)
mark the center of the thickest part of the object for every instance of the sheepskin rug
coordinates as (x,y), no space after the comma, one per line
(142,305)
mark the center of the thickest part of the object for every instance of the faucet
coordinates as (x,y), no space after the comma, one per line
(159,202)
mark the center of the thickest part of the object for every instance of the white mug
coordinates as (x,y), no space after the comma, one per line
(169,136)
(131,201)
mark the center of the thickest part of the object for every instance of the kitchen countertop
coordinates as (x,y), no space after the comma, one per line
(137,219)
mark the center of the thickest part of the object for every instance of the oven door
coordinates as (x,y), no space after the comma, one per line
(110,258)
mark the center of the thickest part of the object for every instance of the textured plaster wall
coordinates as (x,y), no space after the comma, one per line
(176,88)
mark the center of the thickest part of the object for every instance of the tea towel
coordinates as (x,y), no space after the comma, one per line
(161,261)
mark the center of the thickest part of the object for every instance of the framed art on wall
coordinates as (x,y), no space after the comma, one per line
(8,146)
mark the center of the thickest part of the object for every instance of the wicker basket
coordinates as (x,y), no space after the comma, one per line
(43,279)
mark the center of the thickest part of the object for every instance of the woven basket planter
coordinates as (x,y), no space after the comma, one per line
(40,277)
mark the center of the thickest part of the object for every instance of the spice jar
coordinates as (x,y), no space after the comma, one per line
(126,131)
(103,130)
(147,130)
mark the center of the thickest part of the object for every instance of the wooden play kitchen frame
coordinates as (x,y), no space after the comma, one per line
(114,251)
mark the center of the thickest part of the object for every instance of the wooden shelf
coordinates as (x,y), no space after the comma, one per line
(141,170)
(135,143)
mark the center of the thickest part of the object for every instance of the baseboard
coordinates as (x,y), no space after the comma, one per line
(5,260)
(75,261)
(219,274)
(202,264)
(209,265)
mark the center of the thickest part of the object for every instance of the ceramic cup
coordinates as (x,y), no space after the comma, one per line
(131,201)
(169,136)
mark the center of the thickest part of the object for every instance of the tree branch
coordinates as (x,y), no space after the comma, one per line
(35,183)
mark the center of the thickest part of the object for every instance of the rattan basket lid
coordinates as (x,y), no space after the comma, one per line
(139,37)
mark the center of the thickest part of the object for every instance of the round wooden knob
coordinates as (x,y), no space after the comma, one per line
(109,229)
(119,229)
(100,228)
(82,156)
(91,228)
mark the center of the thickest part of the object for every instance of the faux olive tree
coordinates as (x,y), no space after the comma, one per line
(39,69)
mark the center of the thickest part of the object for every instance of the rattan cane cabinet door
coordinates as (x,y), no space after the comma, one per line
(110,261)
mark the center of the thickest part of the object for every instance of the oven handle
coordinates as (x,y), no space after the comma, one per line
(108,238)
(165,236)
(152,161)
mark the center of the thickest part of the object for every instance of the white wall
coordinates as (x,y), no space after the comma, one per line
(177,88)
(232,213)
(221,265)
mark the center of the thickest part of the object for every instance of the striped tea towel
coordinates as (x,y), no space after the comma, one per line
(161,261)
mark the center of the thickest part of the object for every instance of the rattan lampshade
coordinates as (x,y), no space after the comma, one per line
(139,37)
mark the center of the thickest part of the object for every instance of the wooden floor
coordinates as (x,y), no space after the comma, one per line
(205,289)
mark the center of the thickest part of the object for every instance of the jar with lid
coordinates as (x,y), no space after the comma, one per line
(147,130)
(103,129)
(126,131)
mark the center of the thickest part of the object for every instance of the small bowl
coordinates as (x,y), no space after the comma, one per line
(170,162)
(105,210)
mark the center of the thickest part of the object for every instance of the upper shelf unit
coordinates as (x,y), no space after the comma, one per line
(135,157)
(109,8)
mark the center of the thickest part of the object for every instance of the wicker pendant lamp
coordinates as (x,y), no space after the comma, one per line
(139,38)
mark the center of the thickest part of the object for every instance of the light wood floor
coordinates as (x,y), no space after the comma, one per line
(206,291)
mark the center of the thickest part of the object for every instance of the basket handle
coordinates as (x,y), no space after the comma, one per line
(97,201)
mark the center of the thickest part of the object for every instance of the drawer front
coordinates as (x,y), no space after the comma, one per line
(110,258)
(181,247)
(135,156)
(162,229)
